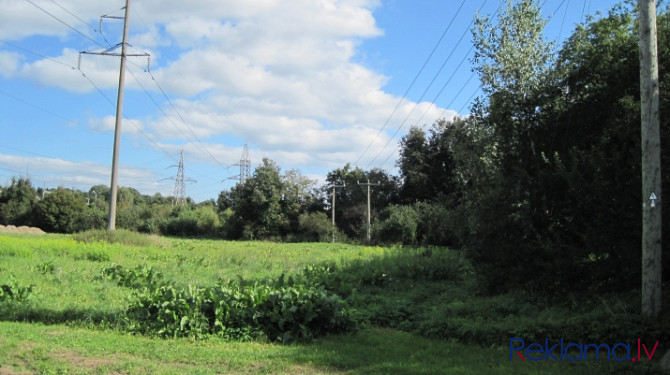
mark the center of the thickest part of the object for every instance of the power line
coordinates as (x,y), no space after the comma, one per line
(64,23)
(402,124)
(36,54)
(91,82)
(413,81)
(73,15)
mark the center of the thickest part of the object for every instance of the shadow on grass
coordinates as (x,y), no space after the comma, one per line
(28,312)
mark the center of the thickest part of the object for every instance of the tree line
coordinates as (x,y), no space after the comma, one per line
(540,185)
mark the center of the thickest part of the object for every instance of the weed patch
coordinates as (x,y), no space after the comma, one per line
(12,291)
(239,312)
(119,236)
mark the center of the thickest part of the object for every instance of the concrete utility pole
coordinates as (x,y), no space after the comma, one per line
(333,207)
(651,162)
(111,223)
(368,184)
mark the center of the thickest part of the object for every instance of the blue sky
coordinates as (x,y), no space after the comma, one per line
(311,84)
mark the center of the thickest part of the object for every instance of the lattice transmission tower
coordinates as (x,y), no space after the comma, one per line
(245,165)
(179,195)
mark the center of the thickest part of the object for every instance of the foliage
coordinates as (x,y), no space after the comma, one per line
(142,276)
(60,211)
(12,291)
(16,202)
(120,236)
(351,201)
(427,165)
(315,226)
(257,203)
(233,310)
(397,224)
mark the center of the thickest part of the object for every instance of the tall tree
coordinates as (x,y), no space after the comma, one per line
(513,61)
(16,202)
(258,202)
(412,164)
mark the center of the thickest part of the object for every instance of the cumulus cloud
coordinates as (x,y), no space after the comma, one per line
(279,75)
(80,175)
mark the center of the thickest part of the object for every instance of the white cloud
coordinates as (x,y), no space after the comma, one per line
(81,175)
(9,63)
(278,74)
(108,124)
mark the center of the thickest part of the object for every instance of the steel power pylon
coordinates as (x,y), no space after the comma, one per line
(179,195)
(245,165)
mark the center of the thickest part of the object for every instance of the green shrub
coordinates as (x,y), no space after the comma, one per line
(236,311)
(315,226)
(182,222)
(139,277)
(12,291)
(399,227)
(60,211)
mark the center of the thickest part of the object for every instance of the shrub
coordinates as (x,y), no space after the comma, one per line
(182,222)
(399,227)
(315,226)
(12,291)
(207,220)
(139,277)
(60,211)
(236,311)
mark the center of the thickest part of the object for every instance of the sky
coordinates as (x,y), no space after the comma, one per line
(311,84)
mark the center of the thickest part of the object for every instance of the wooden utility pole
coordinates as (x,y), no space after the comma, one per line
(368,184)
(333,208)
(651,162)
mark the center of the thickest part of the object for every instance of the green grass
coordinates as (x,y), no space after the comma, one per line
(73,320)
(58,349)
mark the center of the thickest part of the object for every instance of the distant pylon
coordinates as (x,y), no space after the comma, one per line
(245,165)
(179,195)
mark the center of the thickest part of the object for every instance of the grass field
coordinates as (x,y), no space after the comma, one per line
(73,321)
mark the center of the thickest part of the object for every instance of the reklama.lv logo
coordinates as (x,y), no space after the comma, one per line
(578,352)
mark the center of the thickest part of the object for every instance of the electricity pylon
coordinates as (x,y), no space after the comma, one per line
(245,165)
(179,195)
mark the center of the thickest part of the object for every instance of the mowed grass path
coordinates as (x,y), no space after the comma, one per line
(70,294)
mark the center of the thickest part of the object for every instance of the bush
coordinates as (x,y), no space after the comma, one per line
(399,227)
(12,291)
(236,311)
(315,226)
(60,211)
(182,222)
(207,220)
(139,277)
